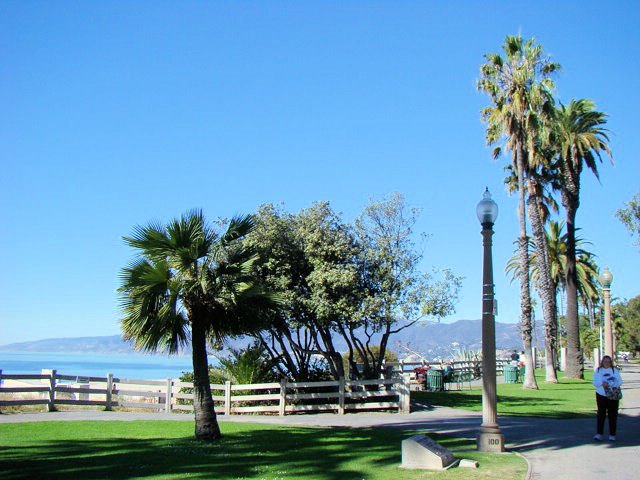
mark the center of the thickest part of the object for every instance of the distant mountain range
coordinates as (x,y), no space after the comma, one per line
(107,344)
(431,340)
(442,340)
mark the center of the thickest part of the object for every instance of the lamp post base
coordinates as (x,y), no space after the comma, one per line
(490,442)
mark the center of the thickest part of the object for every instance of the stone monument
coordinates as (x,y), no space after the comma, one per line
(421,452)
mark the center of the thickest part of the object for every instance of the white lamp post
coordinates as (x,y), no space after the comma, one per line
(605,280)
(490,438)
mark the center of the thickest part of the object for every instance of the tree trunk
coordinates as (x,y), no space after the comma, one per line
(525,291)
(591,313)
(546,291)
(329,352)
(525,316)
(556,362)
(382,351)
(574,354)
(206,424)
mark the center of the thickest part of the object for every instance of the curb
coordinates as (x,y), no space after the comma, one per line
(529,474)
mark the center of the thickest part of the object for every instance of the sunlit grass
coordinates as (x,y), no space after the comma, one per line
(566,399)
(167,450)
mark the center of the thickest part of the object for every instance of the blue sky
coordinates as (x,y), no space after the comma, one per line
(119,113)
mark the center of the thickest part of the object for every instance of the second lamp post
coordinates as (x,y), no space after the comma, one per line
(490,438)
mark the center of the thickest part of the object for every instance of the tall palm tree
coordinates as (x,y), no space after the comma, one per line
(518,85)
(540,178)
(582,140)
(188,281)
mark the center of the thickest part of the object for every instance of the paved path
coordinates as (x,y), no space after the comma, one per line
(555,449)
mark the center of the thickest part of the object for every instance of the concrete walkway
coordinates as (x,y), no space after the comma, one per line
(555,449)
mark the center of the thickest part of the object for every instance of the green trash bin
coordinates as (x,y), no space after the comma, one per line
(435,380)
(510,374)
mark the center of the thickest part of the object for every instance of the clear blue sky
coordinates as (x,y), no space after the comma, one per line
(118,113)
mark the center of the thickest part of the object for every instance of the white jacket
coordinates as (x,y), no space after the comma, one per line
(609,375)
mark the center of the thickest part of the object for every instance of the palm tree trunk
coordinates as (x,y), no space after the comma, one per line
(525,315)
(547,294)
(556,363)
(592,314)
(525,290)
(206,424)
(574,353)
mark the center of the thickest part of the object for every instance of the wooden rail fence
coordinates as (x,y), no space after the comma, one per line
(52,389)
(402,367)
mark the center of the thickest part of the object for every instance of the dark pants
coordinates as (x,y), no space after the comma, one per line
(609,408)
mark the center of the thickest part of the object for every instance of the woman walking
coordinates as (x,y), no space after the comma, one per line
(607,381)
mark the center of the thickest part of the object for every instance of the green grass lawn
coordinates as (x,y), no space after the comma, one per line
(167,450)
(566,399)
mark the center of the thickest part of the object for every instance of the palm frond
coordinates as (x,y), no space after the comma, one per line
(185,273)
(239,227)
(150,302)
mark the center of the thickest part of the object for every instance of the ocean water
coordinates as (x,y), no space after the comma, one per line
(129,366)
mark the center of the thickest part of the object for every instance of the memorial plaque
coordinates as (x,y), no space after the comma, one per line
(421,452)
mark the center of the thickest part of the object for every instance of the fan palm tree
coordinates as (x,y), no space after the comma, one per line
(518,86)
(188,282)
(582,140)
(586,267)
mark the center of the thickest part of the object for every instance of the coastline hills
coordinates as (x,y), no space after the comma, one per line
(432,340)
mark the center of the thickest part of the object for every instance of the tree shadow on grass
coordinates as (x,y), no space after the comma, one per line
(259,453)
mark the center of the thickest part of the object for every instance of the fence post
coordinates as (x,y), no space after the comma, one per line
(109,391)
(227,397)
(52,391)
(405,394)
(283,397)
(167,398)
(341,390)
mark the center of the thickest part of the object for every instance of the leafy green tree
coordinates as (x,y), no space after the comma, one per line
(343,285)
(590,339)
(582,139)
(310,258)
(188,282)
(519,87)
(397,294)
(630,216)
(627,319)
